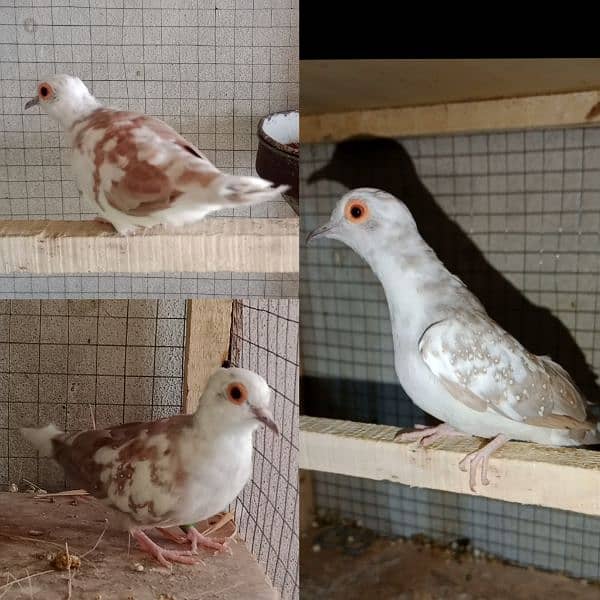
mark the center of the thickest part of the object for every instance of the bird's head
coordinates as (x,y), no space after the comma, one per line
(65,98)
(363,219)
(238,397)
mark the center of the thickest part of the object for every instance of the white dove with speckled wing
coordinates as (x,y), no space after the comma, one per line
(452,359)
(175,471)
(136,170)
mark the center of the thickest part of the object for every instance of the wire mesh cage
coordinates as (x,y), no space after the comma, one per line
(265,340)
(210,69)
(515,215)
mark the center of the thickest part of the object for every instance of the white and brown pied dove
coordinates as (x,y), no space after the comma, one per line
(451,358)
(135,169)
(171,472)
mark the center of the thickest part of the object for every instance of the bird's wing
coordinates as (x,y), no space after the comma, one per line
(140,163)
(484,367)
(95,459)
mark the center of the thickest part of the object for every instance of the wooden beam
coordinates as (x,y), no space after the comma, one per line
(208,330)
(335,86)
(546,111)
(564,478)
(239,245)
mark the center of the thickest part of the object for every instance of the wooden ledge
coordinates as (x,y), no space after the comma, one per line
(544,111)
(563,478)
(239,245)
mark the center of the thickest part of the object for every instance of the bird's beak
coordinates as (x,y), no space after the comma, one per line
(266,418)
(32,102)
(319,232)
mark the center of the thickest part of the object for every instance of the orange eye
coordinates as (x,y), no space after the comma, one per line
(237,393)
(45,91)
(356,211)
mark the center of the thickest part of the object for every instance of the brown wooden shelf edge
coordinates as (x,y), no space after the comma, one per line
(239,245)
(572,109)
(563,478)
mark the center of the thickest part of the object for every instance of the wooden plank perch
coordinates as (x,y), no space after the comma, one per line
(564,478)
(208,329)
(547,111)
(239,245)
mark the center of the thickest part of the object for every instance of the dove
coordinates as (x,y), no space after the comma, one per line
(451,358)
(136,170)
(170,472)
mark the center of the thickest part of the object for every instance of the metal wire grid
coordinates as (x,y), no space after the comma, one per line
(265,339)
(530,201)
(210,68)
(64,361)
(528,535)
(151,285)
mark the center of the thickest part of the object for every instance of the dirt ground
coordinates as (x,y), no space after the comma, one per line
(33,531)
(331,568)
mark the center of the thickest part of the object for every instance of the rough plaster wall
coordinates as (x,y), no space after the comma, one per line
(62,360)
(209,68)
(265,339)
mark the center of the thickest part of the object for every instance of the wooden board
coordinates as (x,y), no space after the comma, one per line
(333,86)
(239,245)
(108,572)
(208,330)
(557,110)
(564,478)
(342,99)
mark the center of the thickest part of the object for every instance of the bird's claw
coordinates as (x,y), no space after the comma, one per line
(219,545)
(475,462)
(425,435)
(163,555)
(479,460)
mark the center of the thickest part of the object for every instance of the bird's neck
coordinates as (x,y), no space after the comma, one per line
(76,112)
(418,288)
(211,427)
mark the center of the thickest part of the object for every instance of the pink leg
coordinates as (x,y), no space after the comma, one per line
(480,458)
(162,555)
(428,435)
(217,544)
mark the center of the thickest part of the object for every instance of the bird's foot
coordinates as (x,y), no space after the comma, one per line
(217,544)
(426,436)
(162,555)
(479,460)
(178,539)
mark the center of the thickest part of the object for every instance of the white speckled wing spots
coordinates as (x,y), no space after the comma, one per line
(487,369)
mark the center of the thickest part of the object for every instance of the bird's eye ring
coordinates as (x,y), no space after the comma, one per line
(237,393)
(45,91)
(356,211)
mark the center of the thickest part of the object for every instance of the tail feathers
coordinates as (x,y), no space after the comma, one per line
(250,190)
(41,438)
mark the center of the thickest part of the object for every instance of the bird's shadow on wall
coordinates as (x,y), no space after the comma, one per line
(384,163)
